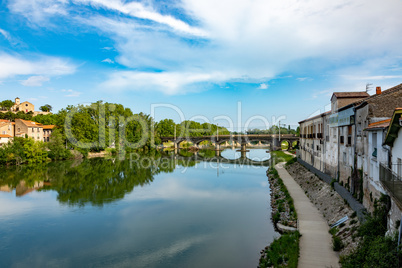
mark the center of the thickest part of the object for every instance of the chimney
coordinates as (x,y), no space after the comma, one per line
(378,90)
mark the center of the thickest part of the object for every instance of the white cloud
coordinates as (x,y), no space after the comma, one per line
(50,66)
(5,34)
(108,60)
(373,77)
(139,10)
(38,11)
(301,79)
(242,40)
(263,86)
(107,48)
(167,82)
(35,81)
(71,93)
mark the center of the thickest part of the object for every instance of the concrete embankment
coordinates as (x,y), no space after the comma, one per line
(315,243)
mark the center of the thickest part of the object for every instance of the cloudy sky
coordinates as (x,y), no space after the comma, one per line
(278,58)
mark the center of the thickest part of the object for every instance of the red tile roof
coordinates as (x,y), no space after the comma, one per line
(5,136)
(31,123)
(380,124)
(48,126)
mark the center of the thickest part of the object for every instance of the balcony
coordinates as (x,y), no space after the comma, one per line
(392,182)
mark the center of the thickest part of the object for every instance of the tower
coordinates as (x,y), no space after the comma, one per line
(17,101)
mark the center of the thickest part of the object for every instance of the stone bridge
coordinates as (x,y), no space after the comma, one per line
(244,140)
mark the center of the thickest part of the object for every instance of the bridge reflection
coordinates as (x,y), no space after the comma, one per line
(243,160)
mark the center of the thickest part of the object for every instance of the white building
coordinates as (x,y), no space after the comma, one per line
(391,173)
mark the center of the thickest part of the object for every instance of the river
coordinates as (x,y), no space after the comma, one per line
(139,212)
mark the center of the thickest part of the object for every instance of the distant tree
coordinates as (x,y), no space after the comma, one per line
(6,104)
(56,146)
(46,108)
(165,128)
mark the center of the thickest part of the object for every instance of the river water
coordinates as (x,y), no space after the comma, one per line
(140,212)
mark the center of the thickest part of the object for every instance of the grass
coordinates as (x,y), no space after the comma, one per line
(279,156)
(283,252)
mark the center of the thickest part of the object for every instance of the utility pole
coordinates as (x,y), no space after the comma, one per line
(279,125)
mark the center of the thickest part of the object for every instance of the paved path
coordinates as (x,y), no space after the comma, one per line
(316,242)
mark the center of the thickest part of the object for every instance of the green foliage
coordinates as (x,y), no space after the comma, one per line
(279,156)
(291,161)
(57,147)
(272,172)
(272,130)
(48,119)
(283,252)
(5,105)
(19,115)
(376,249)
(45,108)
(337,243)
(34,151)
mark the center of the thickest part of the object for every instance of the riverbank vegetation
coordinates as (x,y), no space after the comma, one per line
(274,130)
(94,128)
(280,156)
(376,249)
(283,209)
(283,251)
(29,151)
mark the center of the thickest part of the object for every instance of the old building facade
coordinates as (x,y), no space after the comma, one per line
(352,147)
(25,106)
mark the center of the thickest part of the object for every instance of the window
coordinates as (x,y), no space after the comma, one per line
(374,145)
(344,158)
(4,132)
(399,168)
(26,104)
(342,139)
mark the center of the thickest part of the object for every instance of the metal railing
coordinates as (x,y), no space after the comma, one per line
(392,182)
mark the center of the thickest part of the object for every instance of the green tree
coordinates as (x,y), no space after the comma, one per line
(56,146)
(6,105)
(165,128)
(34,151)
(46,108)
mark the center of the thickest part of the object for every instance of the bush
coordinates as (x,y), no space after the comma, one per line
(337,244)
(291,161)
(283,252)
(376,249)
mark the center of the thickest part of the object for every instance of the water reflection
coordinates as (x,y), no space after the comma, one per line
(159,211)
(98,181)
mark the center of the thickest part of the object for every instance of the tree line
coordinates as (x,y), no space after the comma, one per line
(95,127)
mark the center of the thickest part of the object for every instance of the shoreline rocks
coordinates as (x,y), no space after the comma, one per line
(283,218)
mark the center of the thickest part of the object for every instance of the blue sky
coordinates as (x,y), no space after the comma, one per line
(278,58)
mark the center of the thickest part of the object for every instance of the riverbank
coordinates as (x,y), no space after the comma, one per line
(283,251)
(332,207)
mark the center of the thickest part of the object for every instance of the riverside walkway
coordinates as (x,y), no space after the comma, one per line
(315,242)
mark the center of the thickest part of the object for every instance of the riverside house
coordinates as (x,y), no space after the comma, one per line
(353,144)
(6,131)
